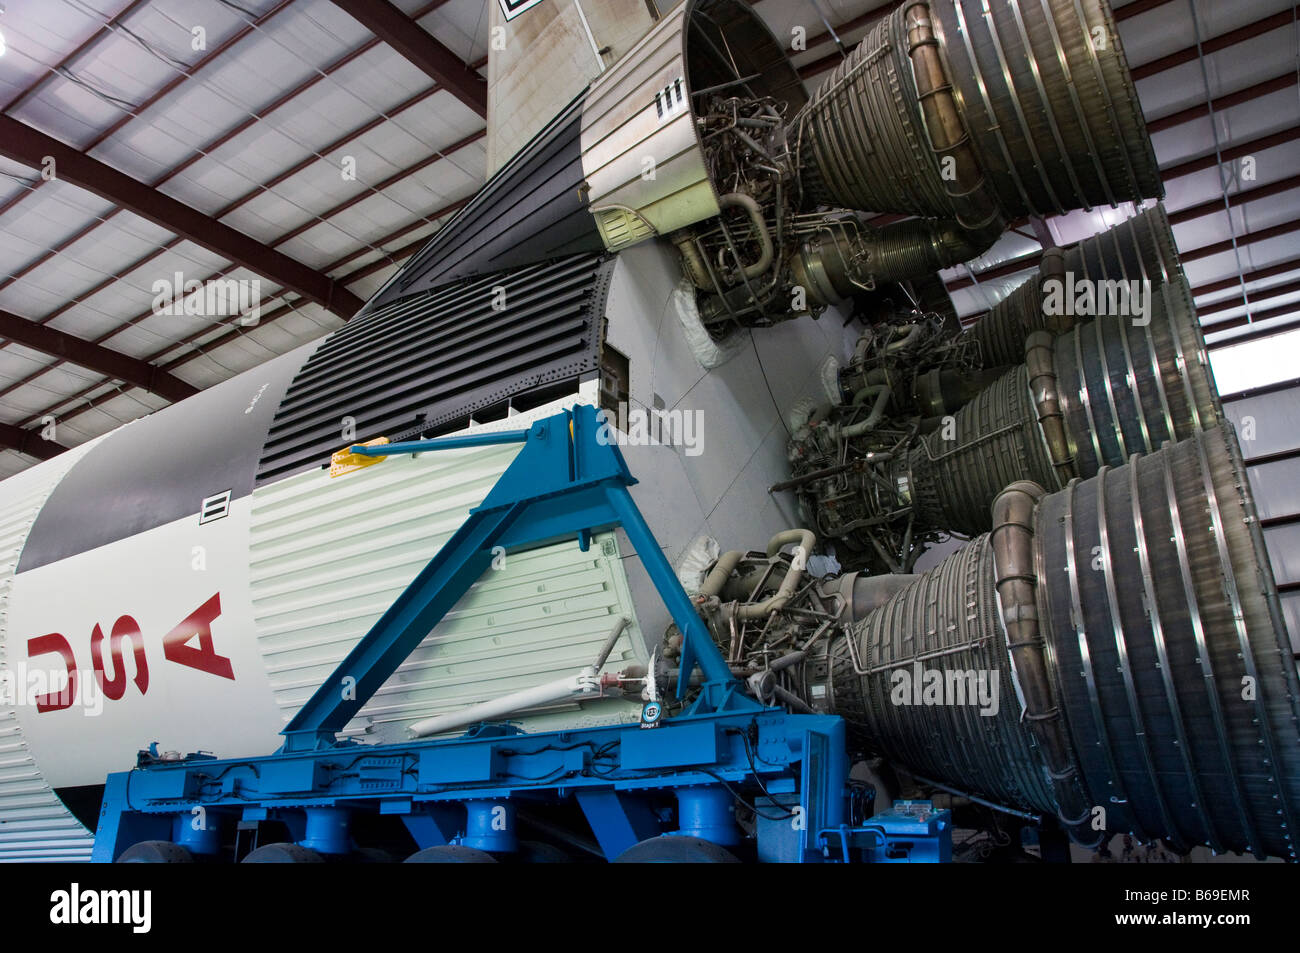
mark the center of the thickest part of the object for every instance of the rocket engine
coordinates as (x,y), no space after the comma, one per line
(963,118)
(1111,655)
(931,424)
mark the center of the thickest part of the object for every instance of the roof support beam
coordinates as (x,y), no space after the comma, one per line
(1130,10)
(99,33)
(415,43)
(95,357)
(1281,230)
(142,107)
(1212,45)
(1215,205)
(23,144)
(29,442)
(378,188)
(1235,151)
(1264,332)
(391,258)
(1258,296)
(1226,101)
(268,317)
(1259,274)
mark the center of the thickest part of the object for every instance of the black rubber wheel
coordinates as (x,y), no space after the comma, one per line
(537,852)
(283,854)
(676,850)
(450,854)
(155,852)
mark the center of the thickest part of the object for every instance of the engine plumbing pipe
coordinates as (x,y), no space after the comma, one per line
(977,208)
(882,394)
(1016,583)
(728,561)
(742,201)
(1040,352)
(815,475)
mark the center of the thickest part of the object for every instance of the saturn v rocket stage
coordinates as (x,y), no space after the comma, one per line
(664,245)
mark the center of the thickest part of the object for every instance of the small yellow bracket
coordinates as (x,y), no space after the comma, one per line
(343,461)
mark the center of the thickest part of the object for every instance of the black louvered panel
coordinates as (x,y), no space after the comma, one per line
(443,354)
(533,209)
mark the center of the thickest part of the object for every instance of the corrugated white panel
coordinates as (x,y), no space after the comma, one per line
(34,824)
(329,556)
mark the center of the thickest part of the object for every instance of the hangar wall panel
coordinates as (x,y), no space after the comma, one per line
(1265,423)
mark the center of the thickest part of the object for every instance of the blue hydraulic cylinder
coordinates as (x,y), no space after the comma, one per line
(490,825)
(327,830)
(708,812)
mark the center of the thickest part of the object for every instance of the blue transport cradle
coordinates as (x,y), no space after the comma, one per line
(670,787)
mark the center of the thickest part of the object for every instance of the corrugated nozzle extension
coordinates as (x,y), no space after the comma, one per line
(1132,622)
(946,112)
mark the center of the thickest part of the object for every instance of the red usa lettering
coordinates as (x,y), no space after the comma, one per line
(125,638)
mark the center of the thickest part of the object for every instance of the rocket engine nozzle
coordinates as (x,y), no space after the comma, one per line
(1121,655)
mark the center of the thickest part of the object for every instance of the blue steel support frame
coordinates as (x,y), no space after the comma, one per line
(569,480)
(437,787)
